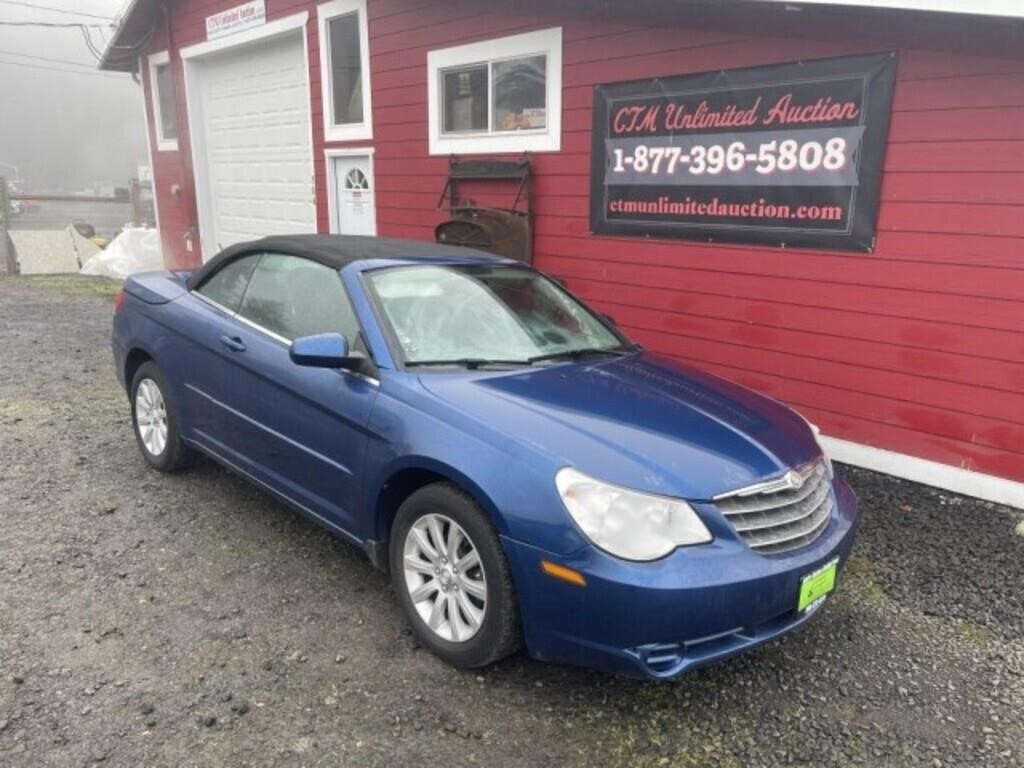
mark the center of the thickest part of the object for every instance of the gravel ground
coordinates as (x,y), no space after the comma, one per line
(191,620)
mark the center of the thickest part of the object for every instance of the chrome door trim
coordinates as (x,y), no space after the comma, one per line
(273,432)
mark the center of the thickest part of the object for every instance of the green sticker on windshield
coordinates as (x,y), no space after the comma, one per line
(814,586)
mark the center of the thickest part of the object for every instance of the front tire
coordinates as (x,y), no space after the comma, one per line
(452,579)
(155,421)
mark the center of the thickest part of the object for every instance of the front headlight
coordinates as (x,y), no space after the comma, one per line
(628,524)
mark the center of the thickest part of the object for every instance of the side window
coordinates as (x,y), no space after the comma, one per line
(161,91)
(295,297)
(227,285)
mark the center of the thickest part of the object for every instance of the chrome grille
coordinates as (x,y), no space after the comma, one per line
(784,514)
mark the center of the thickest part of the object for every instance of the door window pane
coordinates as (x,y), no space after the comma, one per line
(519,94)
(356,179)
(165,97)
(227,285)
(465,99)
(295,297)
(346,69)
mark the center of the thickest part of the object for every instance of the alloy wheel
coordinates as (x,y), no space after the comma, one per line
(151,416)
(445,578)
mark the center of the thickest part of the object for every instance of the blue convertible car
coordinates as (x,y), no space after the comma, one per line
(524,471)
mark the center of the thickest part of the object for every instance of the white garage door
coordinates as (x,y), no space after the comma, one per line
(258,172)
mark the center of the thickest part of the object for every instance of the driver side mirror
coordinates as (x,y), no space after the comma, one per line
(324,350)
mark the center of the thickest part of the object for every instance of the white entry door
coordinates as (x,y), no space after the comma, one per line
(354,209)
(257,178)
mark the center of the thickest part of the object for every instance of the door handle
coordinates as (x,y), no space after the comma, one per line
(234,343)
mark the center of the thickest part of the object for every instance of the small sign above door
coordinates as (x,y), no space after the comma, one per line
(243,16)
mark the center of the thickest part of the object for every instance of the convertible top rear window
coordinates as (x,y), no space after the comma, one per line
(227,285)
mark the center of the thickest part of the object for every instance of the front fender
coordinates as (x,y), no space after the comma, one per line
(513,485)
(435,466)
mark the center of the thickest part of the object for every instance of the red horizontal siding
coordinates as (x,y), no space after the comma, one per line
(172,181)
(968,310)
(917,347)
(767,312)
(914,348)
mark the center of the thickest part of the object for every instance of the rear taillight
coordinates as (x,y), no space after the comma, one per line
(119,300)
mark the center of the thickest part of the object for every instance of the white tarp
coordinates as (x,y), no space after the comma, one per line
(134,250)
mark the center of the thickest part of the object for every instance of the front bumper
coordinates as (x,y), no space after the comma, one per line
(658,620)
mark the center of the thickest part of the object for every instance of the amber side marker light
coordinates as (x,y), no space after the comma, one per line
(556,571)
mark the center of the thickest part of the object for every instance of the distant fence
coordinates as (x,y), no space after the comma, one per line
(102,214)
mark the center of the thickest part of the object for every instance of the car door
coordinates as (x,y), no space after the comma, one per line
(300,429)
(204,318)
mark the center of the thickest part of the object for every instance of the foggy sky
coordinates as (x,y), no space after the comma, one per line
(66,130)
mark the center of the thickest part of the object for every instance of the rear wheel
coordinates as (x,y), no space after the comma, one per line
(157,428)
(452,579)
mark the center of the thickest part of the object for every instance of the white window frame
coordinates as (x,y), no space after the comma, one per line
(143,63)
(344,131)
(548,139)
(156,60)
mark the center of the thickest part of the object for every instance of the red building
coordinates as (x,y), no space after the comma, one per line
(340,116)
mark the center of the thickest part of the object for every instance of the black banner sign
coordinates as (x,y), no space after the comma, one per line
(787,155)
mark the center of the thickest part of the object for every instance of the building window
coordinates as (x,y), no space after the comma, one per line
(345,70)
(500,95)
(465,99)
(165,115)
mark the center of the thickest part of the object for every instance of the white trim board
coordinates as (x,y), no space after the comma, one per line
(1008,8)
(150,156)
(270,29)
(956,479)
(330,155)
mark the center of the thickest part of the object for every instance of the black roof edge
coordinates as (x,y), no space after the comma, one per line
(135,27)
(337,251)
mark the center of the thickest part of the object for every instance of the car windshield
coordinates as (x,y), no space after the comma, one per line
(475,315)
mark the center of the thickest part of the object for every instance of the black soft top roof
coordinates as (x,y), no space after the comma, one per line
(338,251)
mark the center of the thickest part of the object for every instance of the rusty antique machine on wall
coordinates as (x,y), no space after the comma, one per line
(503,231)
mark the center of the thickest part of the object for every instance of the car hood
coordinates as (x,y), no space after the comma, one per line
(641,421)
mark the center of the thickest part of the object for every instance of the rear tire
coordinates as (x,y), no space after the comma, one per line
(469,618)
(156,423)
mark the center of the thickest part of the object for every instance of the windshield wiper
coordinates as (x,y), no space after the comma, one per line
(471,363)
(576,354)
